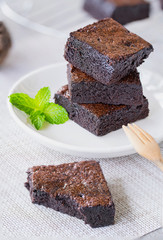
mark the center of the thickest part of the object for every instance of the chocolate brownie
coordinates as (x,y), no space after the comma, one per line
(99,118)
(5,42)
(85,89)
(106,51)
(123,11)
(78,189)
(161,2)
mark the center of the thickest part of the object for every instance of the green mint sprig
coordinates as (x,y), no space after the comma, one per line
(39,108)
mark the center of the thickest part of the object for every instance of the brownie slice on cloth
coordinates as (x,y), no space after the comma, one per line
(78,189)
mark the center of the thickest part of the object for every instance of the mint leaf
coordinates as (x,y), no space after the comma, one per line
(39,108)
(42,98)
(55,114)
(23,102)
(37,119)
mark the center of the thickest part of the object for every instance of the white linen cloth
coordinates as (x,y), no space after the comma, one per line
(135,183)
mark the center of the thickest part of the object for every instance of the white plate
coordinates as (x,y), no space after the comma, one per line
(71,138)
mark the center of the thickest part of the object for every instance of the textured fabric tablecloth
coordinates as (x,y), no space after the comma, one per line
(135,183)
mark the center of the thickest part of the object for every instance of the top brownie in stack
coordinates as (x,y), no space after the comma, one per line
(123,11)
(106,51)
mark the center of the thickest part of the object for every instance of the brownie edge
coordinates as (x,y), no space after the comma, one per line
(78,189)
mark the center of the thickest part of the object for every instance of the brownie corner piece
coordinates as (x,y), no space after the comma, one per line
(106,51)
(122,11)
(85,89)
(99,118)
(78,189)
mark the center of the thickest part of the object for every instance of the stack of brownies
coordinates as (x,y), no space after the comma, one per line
(104,90)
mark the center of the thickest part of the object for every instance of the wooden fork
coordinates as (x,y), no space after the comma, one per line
(144,144)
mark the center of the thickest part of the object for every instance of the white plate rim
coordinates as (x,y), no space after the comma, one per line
(63,147)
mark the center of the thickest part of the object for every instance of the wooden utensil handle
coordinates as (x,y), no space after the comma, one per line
(160,164)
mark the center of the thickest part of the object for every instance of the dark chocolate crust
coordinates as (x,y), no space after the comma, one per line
(85,89)
(78,189)
(5,42)
(106,51)
(99,118)
(123,11)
